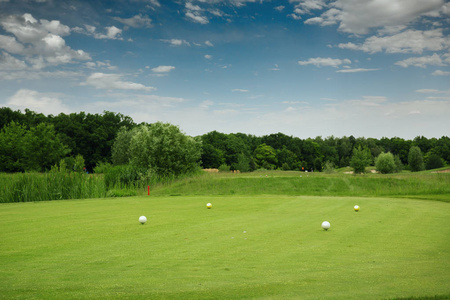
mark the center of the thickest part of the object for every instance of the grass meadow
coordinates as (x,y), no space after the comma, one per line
(261,240)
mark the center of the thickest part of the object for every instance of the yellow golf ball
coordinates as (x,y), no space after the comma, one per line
(208,205)
(356,208)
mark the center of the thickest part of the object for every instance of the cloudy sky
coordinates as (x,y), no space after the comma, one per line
(307,68)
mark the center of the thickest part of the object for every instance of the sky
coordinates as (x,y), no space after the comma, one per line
(305,68)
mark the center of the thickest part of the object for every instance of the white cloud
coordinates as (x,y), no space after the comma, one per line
(206,104)
(163,69)
(432,91)
(306,6)
(155,3)
(216,12)
(279,8)
(176,42)
(191,6)
(100,64)
(356,70)
(196,17)
(11,45)
(207,56)
(208,43)
(138,21)
(325,62)
(8,62)
(40,102)
(409,41)
(330,17)
(240,90)
(275,68)
(40,43)
(359,16)
(295,16)
(113,82)
(421,62)
(112,33)
(441,73)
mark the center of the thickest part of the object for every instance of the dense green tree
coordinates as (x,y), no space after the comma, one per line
(398,164)
(415,159)
(345,151)
(120,150)
(234,146)
(434,162)
(361,158)
(7,115)
(424,143)
(43,148)
(385,163)
(311,152)
(91,135)
(164,149)
(277,140)
(329,148)
(212,157)
(243,163)
(374,148)
(12,148)
(442,148)
(287,159)
(265,157)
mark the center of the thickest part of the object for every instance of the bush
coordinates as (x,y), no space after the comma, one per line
(224,168)
(102,167)
(329,167)
(385,163)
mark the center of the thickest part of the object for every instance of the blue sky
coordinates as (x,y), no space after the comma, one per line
(307,68)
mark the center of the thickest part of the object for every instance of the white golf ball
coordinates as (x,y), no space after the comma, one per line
(326,225)
(142,219)
(209,205)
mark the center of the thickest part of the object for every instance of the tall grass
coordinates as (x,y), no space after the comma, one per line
(29,187)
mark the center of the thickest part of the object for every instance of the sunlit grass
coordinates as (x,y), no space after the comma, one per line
(246,246)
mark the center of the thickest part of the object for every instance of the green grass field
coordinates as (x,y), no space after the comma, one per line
(248,246)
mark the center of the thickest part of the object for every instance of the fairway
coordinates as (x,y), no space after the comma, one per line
(263,247)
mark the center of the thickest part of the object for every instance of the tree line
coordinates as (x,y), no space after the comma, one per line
(31,141)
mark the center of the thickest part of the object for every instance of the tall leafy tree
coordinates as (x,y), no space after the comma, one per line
(12,148)
(287,159)
(385,163)
(212,157)
(361,158)
(120,151)
(43,148)
(415,159)
(265,157)
(164,149)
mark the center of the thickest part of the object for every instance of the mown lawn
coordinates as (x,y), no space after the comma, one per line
(245,247)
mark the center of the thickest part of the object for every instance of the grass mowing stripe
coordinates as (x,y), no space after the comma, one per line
(245,247)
